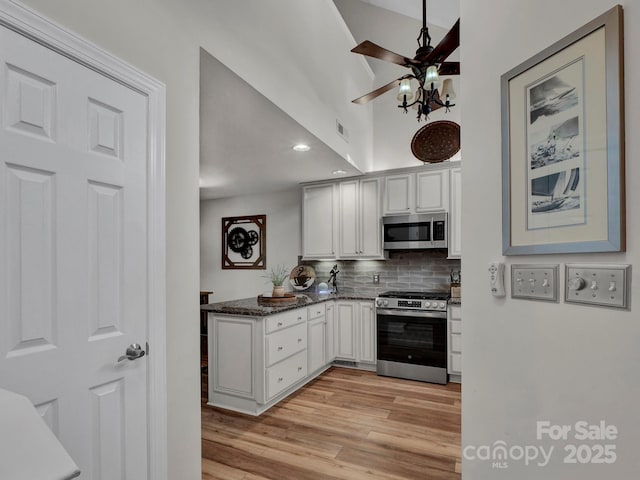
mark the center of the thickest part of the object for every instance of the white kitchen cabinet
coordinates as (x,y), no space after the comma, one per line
(367,333)
(455,213)
(432,191)
(360,233)
(418,192)
(317,343)
(355,334)
(346,318)
(454,343)
(232,361)
(319,221)
(317,337)
(398,194)
(330,331)
(255,361)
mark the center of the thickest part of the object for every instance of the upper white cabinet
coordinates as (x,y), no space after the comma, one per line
(417,192)
(398,193)
(455,213)
(319,221)
(360,234)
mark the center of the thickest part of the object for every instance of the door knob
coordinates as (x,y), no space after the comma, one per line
(133,352)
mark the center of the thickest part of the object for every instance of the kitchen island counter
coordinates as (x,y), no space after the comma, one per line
(253,308)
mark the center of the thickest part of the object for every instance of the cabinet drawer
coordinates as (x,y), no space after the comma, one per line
(456,342)
(315,311)
(455,363)
(284,343)
(284,320)
(286,373)
(455,312)
(455,326)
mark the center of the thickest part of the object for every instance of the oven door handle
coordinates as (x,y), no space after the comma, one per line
(411,313)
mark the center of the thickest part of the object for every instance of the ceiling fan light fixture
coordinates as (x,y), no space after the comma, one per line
(447,89)
(431,75)
(404,92)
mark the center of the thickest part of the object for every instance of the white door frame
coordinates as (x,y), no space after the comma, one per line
(26,21)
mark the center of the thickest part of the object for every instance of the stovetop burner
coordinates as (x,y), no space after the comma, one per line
(416,295)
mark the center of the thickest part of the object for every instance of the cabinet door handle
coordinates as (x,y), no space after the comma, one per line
(279,324)
(280,379)
(299,369)
(299,340)
(279,348)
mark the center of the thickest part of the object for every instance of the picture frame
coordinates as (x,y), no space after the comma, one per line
(563,145)
(244,242)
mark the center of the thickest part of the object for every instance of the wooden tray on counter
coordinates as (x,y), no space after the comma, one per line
(288,298)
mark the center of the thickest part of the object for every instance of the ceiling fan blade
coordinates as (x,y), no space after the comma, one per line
(449,68)
(447,45)
(370,49)
(378,91)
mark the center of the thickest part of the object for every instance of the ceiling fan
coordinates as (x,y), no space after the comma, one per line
(426,67)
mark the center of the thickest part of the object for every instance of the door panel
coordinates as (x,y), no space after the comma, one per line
(73,236)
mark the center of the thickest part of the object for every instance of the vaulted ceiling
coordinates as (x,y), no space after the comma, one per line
(246,139)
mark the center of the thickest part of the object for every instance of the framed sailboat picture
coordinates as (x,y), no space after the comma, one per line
(563,145)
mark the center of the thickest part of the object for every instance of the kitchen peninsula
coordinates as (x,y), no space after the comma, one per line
(260,353)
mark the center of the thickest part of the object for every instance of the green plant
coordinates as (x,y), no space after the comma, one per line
(277,275)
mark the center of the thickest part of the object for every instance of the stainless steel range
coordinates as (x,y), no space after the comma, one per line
(412,335)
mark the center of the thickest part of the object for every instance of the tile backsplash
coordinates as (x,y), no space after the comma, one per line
(404,270)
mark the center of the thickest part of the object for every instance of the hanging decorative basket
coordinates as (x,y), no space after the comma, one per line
(436,141)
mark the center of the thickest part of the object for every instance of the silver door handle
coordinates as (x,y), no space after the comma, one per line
(134,351)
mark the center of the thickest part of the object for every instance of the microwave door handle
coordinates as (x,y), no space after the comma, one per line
(431,236)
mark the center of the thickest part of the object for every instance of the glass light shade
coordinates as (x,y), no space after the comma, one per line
(447,89)
(405,89)
(431,76)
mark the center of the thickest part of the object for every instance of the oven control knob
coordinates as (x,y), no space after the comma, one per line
(427,304)
(379,302)
(385,302)
(442,305)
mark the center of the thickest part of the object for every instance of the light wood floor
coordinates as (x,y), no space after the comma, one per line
(346,424)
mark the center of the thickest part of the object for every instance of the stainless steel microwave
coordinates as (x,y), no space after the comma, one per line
(418,231)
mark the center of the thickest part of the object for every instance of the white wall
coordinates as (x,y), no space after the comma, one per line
(526,361)
(283,211)
(270,44)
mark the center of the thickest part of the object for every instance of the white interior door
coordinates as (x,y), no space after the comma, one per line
(73,259)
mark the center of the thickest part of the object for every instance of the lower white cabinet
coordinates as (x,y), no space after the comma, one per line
(454,344)
(286,373)
(317,351)
(257,361)
(346,317)
(330,338)
(367,333)
(355,331)
(232,370)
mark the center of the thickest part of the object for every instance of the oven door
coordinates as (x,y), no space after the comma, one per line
(412,337)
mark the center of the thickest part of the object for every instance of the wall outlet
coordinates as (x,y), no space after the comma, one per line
(376,279)
(535,282)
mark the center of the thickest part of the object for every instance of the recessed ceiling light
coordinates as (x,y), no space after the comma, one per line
(339,172)
(301,147)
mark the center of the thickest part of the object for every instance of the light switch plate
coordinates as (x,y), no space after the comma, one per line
(534,282)
(594,284)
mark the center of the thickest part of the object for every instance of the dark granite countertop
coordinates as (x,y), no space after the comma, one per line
(252,308)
